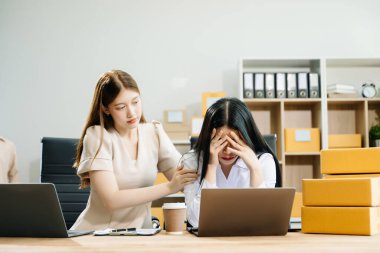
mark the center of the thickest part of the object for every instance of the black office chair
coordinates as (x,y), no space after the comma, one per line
(58,156)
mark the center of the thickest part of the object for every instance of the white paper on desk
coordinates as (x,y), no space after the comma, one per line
(138,231)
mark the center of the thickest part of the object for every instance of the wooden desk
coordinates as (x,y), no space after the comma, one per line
(162,243)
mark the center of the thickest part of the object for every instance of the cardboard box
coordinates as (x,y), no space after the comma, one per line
(302,140)
(345,141)
(297,204)
(350,161)
(341,192)
(175,121)
(335,176)
(341,220)
(178,135)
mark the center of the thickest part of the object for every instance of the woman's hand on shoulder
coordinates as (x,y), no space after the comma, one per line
(217,144)
(181,178)
(240,148)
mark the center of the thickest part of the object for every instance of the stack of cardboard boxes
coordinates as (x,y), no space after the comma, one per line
(347,200)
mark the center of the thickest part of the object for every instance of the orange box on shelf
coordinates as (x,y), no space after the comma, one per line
(302,140)
(345,141)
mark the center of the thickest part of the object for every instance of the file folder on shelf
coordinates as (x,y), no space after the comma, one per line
(280,85)
(259,85)
(314,86)
(291,85)
(302,85)
(269,85)
(248,85)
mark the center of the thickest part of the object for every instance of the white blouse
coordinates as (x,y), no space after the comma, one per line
(239,177)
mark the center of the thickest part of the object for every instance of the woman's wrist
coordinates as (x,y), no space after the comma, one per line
(171,187)
(211,173)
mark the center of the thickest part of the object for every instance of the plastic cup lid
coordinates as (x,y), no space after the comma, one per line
(178,205)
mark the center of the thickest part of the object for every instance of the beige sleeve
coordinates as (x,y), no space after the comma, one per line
(13,169)
(168,155)
(91,158)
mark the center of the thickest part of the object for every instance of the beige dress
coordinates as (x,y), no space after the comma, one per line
(8,162)
(155,153)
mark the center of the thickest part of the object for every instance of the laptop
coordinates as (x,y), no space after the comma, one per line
(32,210)
(244,212)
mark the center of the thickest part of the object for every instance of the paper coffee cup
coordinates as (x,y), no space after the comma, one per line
(174,216)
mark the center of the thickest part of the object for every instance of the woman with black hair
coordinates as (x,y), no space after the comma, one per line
(230,153)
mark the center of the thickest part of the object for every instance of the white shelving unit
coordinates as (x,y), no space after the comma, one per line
(334,116)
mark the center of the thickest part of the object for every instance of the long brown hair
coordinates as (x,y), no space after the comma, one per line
(108,87)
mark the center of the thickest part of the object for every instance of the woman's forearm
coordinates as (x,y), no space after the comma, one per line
(105,185)
(256,177)
(133,197)
(211,174)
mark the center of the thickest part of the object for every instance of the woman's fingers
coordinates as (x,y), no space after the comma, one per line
(234,143)
(234,151)
(217,136)
(221,147)
(236,138)
(180,166)
(221,141)
(188,177)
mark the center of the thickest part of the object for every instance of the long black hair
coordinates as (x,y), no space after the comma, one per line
(233,113)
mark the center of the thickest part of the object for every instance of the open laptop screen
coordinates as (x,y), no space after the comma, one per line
(248,211)
(31,210)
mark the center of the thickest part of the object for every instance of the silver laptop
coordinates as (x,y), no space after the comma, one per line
(244,212)
(32,210)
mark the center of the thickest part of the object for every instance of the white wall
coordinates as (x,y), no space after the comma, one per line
(52,52)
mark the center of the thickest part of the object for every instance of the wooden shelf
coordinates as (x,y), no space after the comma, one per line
(330,115)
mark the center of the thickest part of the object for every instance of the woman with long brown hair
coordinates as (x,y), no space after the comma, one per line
(119,155)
